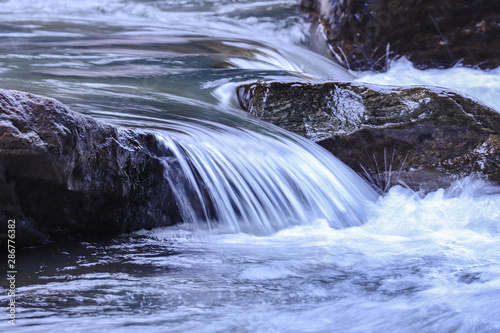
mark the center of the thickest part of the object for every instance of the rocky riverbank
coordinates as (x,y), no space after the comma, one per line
(368,34)
(419,136)
(66,176)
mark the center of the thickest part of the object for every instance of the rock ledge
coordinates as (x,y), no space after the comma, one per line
(422,136)
(66,176)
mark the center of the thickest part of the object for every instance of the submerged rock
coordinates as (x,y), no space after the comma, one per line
(367,34)
(420,136)
(67,176)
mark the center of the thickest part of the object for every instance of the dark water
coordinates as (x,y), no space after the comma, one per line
(419,263)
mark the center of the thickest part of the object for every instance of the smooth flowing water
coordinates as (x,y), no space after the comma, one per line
(293,241)
(250,182)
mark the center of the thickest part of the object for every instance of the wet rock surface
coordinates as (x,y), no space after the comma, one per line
(367,34)
(420,136)
(65,176)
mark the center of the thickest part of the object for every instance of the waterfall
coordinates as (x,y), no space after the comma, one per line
(245,181)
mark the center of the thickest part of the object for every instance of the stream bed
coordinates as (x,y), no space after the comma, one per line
(417,262)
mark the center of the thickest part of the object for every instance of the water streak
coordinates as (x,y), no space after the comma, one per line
(247,181)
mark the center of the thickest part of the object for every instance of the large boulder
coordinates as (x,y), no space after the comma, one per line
(421,136)
(367,34)
(66,176)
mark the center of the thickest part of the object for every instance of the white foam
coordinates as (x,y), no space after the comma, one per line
(479,84)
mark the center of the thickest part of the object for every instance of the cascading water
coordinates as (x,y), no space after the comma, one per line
(252,182)
(283,261)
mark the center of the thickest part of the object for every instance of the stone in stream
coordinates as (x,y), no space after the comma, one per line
(66,176)
(367,34)
(416,135)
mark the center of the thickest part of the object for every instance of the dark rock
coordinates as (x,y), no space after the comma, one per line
(418,135)
(367,34)
(66,176)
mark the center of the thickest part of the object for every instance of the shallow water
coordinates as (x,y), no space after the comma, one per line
(419,263)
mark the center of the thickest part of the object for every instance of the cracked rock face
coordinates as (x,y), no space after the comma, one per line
(421,135)
(367,34)
(66,176)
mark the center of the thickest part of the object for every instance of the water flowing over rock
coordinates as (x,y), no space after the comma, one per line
(417,135)
(366,34)
(67,176)
(238,180)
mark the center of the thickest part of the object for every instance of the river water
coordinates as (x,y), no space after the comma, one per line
(300,243)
